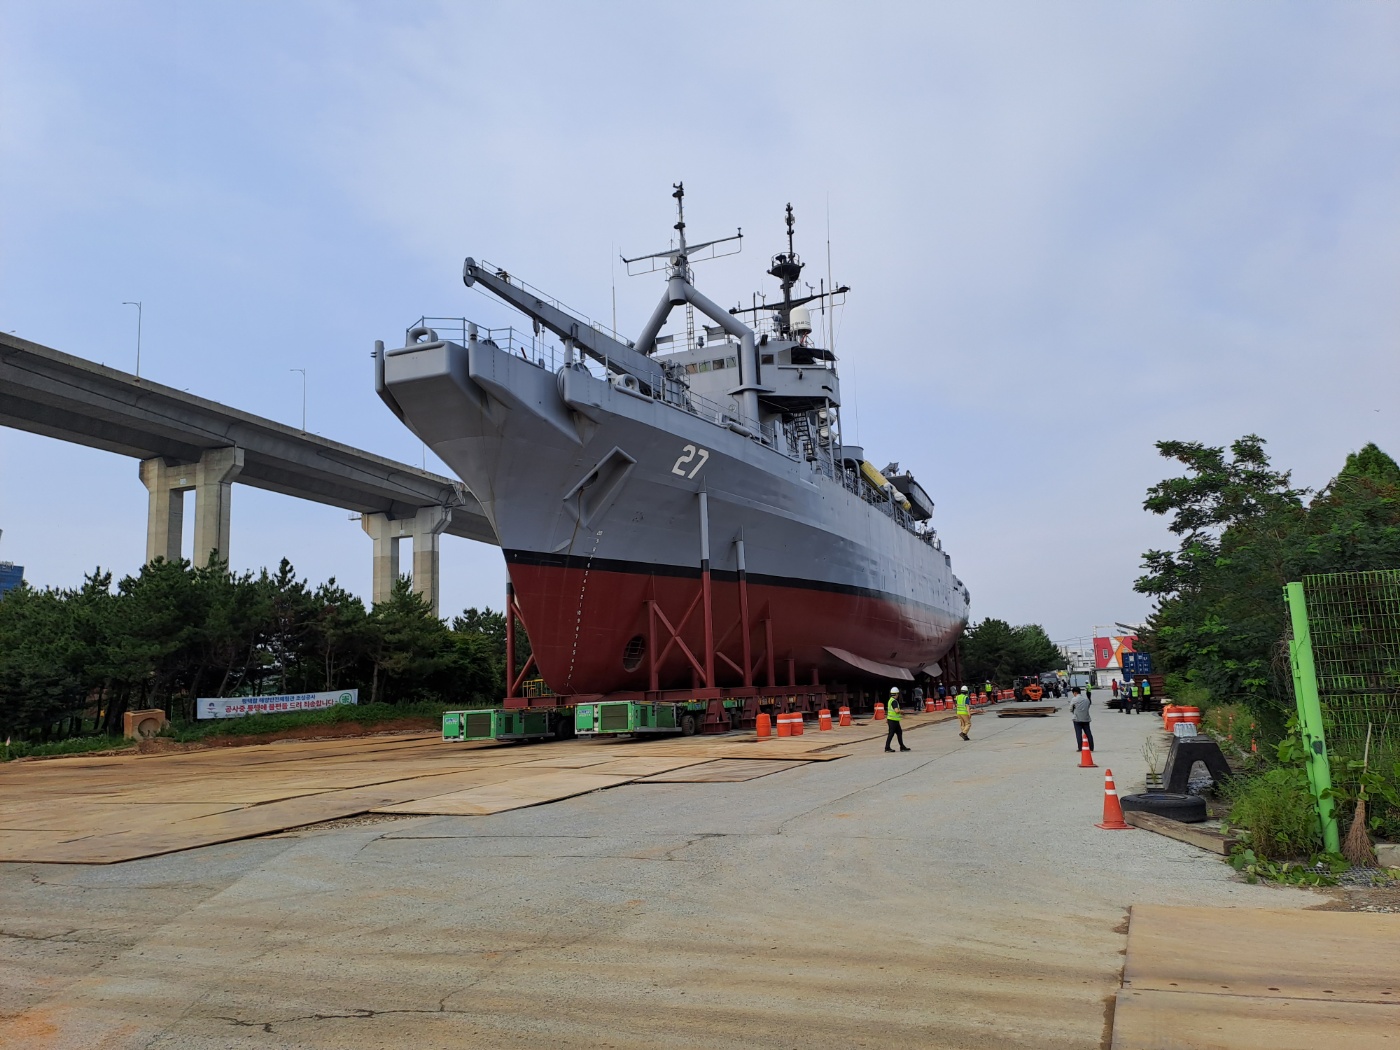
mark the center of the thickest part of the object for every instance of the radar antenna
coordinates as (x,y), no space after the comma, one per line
(787,268)
(677,260)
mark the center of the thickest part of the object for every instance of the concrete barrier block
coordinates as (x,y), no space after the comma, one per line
(1388,854)
(138,724)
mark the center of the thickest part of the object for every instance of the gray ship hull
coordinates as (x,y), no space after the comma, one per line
(594,492)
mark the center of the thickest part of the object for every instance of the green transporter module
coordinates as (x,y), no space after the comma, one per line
(631,716)
(496,724)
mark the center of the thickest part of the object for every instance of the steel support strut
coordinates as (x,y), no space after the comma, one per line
(513,680)
(744,615)
(705,589)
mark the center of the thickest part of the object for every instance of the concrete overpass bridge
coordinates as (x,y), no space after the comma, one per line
(186,443)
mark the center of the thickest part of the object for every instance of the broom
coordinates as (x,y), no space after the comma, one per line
(1357,847)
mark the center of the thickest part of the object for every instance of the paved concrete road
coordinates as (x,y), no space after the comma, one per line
(955,896)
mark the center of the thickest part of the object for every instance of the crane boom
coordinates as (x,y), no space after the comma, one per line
(613,354)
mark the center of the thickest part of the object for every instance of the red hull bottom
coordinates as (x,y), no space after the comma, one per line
(594,631)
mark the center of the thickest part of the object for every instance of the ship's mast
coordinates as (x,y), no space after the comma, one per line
(679,187)
(680,290)
(787,268)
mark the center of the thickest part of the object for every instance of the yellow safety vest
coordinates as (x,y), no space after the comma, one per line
(962,703)
(1146,687)
(892,711)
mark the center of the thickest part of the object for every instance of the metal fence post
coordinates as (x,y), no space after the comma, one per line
(1310,715)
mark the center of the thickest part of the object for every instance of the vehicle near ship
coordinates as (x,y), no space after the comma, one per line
(681,523)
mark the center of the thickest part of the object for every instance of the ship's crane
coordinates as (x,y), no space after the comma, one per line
(614,354)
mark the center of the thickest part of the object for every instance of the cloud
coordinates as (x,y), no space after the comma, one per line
(1071,230)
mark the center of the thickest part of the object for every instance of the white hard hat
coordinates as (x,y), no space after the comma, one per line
(894,690)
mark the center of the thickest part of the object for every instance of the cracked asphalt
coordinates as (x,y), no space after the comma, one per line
(955,896)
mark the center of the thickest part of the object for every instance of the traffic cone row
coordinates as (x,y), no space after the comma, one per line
(790,723)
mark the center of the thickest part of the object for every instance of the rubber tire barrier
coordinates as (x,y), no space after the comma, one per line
(1189,809)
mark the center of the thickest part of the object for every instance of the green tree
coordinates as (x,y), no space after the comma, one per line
(39,686)
(408,645)
(1244,532)
(995,651)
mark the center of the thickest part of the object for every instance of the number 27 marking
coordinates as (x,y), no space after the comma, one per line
(686,457)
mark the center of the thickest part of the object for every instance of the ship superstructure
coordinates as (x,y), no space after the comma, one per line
(681,517)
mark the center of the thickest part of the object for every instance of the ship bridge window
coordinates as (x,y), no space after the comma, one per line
(691,368)
(703,366)
(767,359)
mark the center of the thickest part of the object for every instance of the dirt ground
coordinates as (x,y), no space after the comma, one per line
(333,731)
(958,895)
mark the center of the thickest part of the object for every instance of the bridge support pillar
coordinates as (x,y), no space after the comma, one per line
(165,517)
(211,479)
(425,531)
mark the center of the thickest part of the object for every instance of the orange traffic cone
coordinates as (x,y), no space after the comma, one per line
(879,712)
(845,718)
(1086,757)
(823,720)
(1112,811)
(785,725)
(764,726)
(928,706)
(796,723)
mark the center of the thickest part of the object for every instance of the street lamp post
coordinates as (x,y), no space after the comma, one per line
(138,334)
(303,396)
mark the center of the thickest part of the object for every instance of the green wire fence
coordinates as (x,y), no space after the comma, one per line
(1345,656)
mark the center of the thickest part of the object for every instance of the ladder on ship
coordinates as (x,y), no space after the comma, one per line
(806,441)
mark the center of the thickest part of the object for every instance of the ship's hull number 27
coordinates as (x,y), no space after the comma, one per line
(690,454)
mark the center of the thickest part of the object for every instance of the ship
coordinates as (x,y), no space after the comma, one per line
(679,512)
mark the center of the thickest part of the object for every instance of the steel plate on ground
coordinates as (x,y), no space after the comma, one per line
(722,771)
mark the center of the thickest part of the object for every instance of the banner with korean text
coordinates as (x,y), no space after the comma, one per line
(238,706)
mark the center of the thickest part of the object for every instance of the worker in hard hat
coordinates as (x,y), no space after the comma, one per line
(894,719)
(964,710)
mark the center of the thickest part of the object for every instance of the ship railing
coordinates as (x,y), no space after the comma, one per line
(518,344)
(675,392)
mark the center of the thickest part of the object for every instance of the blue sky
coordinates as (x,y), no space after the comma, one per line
(1072,229)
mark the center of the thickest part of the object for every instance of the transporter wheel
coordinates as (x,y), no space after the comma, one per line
(1189,809)
(687,725)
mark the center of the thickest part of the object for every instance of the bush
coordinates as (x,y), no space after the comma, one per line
(1185,692)
(255,725)
(1232,725)
(1279,811)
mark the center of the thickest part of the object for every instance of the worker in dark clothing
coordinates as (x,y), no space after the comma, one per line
(1079,713)
(894,718)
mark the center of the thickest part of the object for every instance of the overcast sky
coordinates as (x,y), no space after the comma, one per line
(1072,229)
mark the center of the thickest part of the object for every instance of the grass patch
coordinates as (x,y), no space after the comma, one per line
(1278,811)
(367,715)
(255,725)
(73,746)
